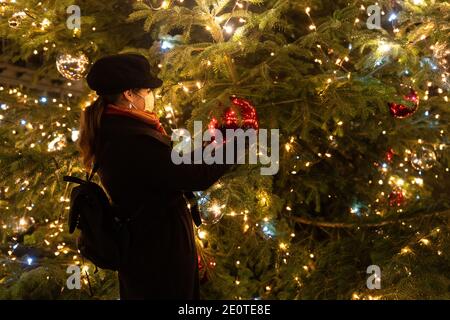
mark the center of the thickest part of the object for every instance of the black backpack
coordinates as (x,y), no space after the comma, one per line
(104,237)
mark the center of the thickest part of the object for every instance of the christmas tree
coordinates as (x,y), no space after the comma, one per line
(358,91)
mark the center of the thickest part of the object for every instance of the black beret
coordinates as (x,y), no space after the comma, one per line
(117,73)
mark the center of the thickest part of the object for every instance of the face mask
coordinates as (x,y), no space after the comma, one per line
(149,101)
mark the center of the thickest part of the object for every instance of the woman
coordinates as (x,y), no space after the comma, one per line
(137,172)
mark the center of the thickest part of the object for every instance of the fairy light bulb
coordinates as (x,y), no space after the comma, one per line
(23,222)
(45,23)
(399,182)
(406,250)
(288,147)
(165,4)
(228,28)
(202,234)
(384,47)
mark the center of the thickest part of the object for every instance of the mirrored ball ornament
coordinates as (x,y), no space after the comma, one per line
(211,210)
(72,66)
(424,158)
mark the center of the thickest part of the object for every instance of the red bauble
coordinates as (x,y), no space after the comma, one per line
(241,114)
(249,118)
(396,198)
(205,266)
(401,111)
(213,124)
(390,155)
(201,267)
(230,119)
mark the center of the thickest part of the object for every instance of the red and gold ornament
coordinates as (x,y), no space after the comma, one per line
(241,114)
(396,198)
(401,111)
(390,155)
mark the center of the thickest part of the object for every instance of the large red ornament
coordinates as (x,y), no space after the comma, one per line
(396,198)
(401,111)
(249,118)
(241,114)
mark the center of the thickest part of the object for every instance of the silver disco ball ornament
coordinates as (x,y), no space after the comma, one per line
(72,66)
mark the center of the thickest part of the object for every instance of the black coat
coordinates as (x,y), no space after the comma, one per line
(138,174)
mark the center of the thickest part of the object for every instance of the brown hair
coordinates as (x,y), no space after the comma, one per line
(90,120)
(89,128)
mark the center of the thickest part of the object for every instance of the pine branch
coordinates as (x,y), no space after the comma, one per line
(327,224)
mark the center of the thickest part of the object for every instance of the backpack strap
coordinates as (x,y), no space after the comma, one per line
(74,179)
(193,207)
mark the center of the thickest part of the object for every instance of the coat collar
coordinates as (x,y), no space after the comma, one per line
(149,118)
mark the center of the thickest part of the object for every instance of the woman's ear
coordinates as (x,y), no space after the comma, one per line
(128,95)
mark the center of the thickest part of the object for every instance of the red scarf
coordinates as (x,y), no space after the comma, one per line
(148,117)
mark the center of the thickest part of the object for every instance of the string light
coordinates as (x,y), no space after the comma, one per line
(166,45)
(45,24)
(392,17)
(406,250)
(165,4)
(229,29)
(202,234)
(384,47)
